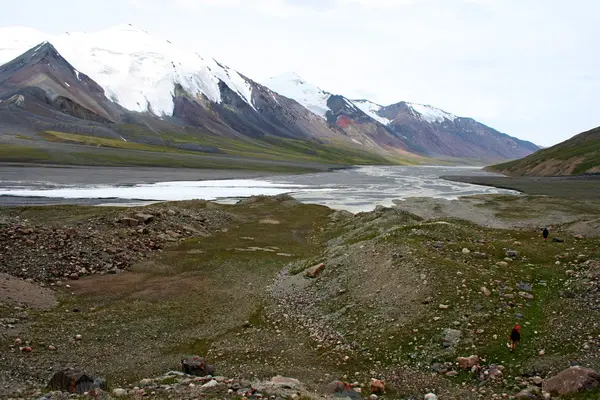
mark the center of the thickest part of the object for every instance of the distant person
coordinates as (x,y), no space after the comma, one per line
(545,233)
(515,338)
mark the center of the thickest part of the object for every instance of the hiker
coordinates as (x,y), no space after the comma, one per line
(515,338)
(545,234)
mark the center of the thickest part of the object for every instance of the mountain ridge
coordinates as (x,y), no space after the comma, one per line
(420,128)
(123,75)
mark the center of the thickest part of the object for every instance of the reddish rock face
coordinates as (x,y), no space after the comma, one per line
(572,380)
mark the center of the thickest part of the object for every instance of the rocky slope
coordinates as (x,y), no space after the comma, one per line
(386,302)
(416,128)
(576,156)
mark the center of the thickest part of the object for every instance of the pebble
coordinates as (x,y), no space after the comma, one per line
(78,337)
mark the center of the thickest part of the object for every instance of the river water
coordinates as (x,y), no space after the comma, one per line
(355,190)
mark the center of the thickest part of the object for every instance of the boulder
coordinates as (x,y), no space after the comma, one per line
(118,393)
(572,380)
(530,393)
(74,381)
(343,389)
(129,221)
(468,362)
(451,338)
(512,253)
(195,365)
(377,386)
(144,218)
(526,295)
(285,383)
(314,271)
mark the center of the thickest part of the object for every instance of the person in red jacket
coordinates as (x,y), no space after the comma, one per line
(515,338)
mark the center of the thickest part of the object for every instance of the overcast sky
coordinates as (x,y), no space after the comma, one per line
(530,68)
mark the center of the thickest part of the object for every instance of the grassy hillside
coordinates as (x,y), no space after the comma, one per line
(578,155)
(177,150)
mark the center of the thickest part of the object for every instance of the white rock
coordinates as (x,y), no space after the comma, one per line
(118,392)
(466,251)
(430,396)
(210,385)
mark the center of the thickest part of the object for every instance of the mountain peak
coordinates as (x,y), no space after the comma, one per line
(291,85)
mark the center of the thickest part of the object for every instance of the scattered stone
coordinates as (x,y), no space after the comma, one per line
(537,380)
(118,392)
(129,221)
(210,385)
(52,348)
(78,337)
(558,240)
(144,218)
(314,271)
(343,389)
(525,286)
(466,363)
(430,396)
(572,380)
(377,386)
(373,397)
(502,264)
(486,292)
(530,393)
(285,383)
(451,338)
(526,295)
(451,373)
(512,253)
(444,306)
(71,380)
(466,251)
(26,349)
(481,256)
(18,341)
(195,365)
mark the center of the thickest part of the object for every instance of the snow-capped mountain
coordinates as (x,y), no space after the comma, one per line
(136,70)
(292,86)
(102,83)
(421,128)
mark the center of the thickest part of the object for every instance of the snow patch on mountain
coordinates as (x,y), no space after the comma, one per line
(371,109)
(431,114)
(294,87)
(136,70)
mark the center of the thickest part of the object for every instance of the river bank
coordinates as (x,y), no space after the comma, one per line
(577,187)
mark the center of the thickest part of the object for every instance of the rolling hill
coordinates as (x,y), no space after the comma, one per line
(576,156)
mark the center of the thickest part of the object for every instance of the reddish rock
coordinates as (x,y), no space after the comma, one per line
(26,349)
(377,386)
(313,272)
(467,362)
(572,380)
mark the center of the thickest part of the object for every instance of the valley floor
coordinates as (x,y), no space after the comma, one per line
(403,293)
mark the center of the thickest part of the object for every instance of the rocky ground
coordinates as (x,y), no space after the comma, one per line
(409,302)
